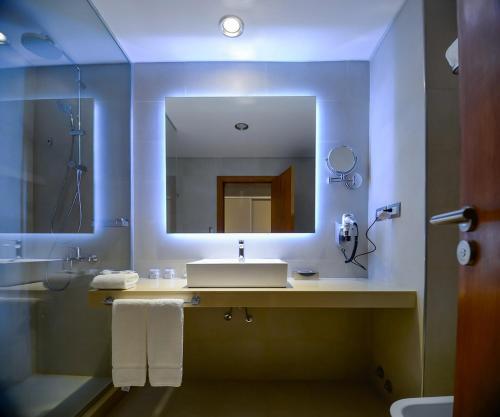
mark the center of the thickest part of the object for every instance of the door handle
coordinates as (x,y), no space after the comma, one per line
(466,218)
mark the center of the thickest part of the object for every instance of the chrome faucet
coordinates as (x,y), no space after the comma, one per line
(241,251)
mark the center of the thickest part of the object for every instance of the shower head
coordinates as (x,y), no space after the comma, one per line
(67,109)
(41,45)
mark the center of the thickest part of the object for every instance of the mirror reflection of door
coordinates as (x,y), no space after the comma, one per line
(256,204)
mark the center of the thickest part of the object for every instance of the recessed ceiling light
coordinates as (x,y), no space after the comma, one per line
(241,126)
(3,39)
(231,26)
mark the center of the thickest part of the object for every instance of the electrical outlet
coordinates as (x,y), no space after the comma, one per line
(393,211)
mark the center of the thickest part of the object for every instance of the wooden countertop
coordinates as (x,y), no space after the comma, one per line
(320,293)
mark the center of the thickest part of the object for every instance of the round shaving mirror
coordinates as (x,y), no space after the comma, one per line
(341,160)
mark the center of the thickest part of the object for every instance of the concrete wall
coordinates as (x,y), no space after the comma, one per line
(397,173)
(342,92)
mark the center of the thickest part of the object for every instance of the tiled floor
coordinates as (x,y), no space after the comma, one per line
(254,399)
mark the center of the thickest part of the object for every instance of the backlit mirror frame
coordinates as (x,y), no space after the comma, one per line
(315,175)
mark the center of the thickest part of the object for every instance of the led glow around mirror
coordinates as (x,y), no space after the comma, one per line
(221,180)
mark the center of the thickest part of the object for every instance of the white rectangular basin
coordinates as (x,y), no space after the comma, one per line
(423,407)
(255,273)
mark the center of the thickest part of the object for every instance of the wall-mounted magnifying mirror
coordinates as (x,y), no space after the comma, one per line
(341,161)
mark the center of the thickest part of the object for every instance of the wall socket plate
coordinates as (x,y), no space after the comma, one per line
(395,211)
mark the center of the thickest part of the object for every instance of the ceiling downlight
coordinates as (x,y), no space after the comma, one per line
(231,26)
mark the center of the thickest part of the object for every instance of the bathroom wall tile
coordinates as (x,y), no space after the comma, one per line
(344,122)
(226,79)
(342,118)
(155,81)
(149,121)
(325,80)
(397,151)
(358,80)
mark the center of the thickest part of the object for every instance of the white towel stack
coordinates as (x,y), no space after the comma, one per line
(115,280)
(147,330)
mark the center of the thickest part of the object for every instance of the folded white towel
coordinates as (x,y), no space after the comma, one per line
(165,341)
(129,342)
(115,280)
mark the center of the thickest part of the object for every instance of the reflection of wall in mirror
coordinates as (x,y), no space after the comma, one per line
(197,188)
(171,143)
(35,146)
(51,150)
(15,133)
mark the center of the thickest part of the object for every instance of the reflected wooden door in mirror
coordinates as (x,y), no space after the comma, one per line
(256,204)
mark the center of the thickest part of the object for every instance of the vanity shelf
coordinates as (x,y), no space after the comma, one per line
(323,293)
(14,261)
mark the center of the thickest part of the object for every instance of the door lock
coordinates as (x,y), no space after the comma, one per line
(466,252)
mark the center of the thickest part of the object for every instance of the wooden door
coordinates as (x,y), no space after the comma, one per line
(282,202)
(477,385)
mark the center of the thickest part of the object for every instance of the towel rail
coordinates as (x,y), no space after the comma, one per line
(195,300)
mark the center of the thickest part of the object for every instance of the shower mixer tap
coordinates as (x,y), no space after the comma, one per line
(77,257)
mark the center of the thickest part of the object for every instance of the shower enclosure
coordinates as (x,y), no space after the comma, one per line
(64,179)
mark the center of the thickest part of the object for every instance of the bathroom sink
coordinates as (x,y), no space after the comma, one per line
(423,407)
(258,273)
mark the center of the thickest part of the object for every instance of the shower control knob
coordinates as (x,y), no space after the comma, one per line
(466,252)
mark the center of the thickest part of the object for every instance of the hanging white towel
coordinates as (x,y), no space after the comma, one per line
(115,280)
(165,341)
(129,342)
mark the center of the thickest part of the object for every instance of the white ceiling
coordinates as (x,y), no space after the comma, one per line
(275,30)
(279,127)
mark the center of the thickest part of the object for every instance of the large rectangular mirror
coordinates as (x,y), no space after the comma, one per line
(46,166)
(240,164)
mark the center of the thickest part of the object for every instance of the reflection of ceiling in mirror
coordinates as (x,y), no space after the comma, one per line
(279,127)
(73,26)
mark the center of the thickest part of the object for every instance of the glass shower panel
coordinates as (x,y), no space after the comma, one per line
(64,182)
